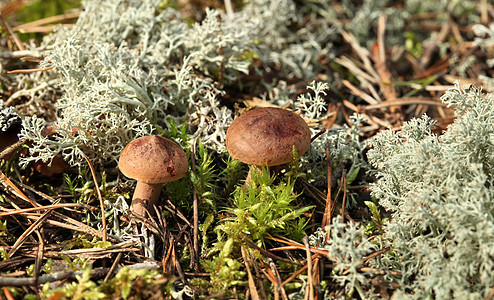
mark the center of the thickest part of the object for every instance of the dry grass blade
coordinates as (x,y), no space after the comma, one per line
(361,52)
(405,101)
(113,266)
(379,56)
(166,258)
(53,19)
(126,246)
(31,59)
(101,202)
(364,78)
(258,277)
(28,232)
(42,29)
(39,254)
(266,253)
(7,294)
(440,67)
(12,7)
(47,207)
(375,254)
(376,121)
(19,54)
(484,13)
(309,292)
(6,182)
(16,39)
(343,184)
(30,70)
(326,219)
(379,271)
(252,286)
(173,209)
(356,71)
(359,93)
(297,246)
(295,275)
(277,279)
(268,272)
(318,268)
(432,88)
(74,225)
(195,208)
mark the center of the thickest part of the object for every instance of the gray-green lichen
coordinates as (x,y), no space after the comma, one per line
(440,192)
(8,117)
(127,67)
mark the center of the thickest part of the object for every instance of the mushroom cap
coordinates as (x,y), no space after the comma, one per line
(153,159)
(266,136)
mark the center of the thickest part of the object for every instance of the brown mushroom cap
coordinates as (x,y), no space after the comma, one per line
(266,136)
(153,159)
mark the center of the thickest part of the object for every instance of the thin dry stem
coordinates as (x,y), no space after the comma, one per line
(343,184)
(252,285)
(195,208)
(326,219)
(6,181)
(34,226)
(16,39)
(101,202)
(309,291)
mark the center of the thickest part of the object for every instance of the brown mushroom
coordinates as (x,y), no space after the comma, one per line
(266,137)
(151,160)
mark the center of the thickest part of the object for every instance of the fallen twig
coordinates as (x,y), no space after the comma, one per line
(68,275)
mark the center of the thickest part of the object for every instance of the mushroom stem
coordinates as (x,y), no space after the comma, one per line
(145,195)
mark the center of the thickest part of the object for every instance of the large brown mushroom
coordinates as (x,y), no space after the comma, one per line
(266,137)
(151,160)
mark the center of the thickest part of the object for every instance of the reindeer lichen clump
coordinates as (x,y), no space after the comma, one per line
(440,192)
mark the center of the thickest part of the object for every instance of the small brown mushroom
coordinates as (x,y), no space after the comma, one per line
(266,137)
(151,160)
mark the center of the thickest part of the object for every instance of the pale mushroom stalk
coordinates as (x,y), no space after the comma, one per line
(145,195)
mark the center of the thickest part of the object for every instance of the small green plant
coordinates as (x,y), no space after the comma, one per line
(3,226)
(375,225)
(225,267)
(75,264)
(71,184)
(83,288)
(204,177)
(232,173)
(4,255)
(126,283)
(260,208)
(48,266)
(127,280)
